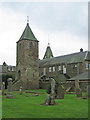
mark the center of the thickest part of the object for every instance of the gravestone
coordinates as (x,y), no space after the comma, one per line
(9,92)
(88,91)
(79,92)
(47,99)
(52,92)
(60,92)
(20,90)
(3,88)
(50,98)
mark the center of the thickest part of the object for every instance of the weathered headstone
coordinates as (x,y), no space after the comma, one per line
(50,98)
(20,90)
(79,92)
(52,92)
(9,92)
(47,99)
(88,91)
(3,88)
(60,92)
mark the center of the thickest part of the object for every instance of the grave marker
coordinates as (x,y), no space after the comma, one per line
(9,93)
(3,88)
(60,92)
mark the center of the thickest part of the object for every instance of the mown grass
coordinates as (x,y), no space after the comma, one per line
(26,106)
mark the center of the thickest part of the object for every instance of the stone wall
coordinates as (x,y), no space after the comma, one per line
(67,85)
(27,67)
(71,70)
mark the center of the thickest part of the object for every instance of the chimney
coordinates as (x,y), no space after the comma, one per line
(81,50)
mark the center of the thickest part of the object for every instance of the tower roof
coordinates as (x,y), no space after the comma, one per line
(48,53)
(27,34)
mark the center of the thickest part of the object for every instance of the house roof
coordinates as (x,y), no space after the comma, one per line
(3,69)
(27,34)
(48,53)
(66,59)
(82,76)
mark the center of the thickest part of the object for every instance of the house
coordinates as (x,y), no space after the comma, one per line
(64,67)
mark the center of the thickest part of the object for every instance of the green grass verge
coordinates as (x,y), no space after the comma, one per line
(26,106)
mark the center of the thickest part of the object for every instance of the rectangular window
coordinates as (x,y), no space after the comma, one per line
(44,71)
(87,66)
(75,66)
(9,69)
(50,69)
(53,69)
(59,68)
(63,66)
(64,69)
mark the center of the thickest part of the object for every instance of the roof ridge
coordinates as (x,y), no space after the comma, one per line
(70,54)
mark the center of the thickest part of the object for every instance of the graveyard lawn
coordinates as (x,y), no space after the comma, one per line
(29,106)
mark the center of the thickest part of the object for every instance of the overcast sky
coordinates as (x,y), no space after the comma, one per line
(66,24)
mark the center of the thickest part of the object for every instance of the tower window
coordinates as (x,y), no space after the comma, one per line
(31,45)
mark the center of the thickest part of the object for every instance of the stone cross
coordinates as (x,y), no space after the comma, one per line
(3,88)
(9,92)
(20,90)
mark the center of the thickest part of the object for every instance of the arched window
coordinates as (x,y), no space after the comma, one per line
(31,45)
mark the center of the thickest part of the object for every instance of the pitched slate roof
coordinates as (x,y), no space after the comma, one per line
(48,53)
(27,34)
(82,76)
(66,59)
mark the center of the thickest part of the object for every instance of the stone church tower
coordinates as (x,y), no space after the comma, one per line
(27,66)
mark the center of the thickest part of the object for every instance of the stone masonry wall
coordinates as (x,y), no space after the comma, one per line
(27,68)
